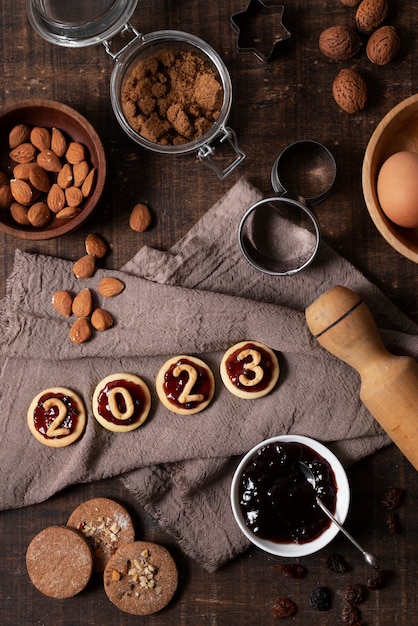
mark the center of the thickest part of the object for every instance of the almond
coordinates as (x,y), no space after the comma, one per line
(110,287)
(65,176)
(82,303)
(19,214)
(80,171)
(85,266)
(73,196)
(370,14)
(140,218)
(49,161)
(23,153)
(383,45)
(39,215)
(55,198)
(350,91)
(39,179)
(40,138)
(75,152)
(22,170)
(67,213)
(62,301)
(80,331)
(58,142)
(88,184)
(101,319)
(95,246)
(19,134)
(339,42)
(21,191)
(6,197)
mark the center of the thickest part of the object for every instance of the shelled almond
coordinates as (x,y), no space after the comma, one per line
(51,173)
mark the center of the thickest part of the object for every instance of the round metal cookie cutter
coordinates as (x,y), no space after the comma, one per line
(280,235)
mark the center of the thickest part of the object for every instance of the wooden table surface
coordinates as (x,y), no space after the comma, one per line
(274,104)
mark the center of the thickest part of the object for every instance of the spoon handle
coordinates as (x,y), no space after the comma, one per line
(369,558)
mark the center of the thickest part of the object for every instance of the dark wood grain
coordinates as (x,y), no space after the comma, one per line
(274,104)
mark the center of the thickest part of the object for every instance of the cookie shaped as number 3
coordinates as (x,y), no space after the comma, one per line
(249,370)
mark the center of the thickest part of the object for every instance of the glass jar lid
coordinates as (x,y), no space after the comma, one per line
(79,23)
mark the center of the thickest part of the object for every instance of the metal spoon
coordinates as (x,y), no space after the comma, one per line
(369,558)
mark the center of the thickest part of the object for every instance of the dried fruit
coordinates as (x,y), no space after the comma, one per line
(62,301)
(83,303)
(58,142)
(140,218)
(370,14)
(39,215)
(339,42)
(355,594)
(101,319)
(350,615)
(383,45)
(392,498)
(376,580)
(292,570)
(40,138)
(23,153)
(283,607)
(75,152)
(80,331)
(49,161)
(321,599)
(19,134)
(95,246)
(350,91)
(110,287)
(65,176)
(85,266)
(337,564)
(21,191)
(55,198)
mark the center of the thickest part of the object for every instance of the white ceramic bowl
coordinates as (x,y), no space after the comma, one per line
(342,503)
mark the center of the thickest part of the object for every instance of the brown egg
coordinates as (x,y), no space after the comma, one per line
(397,188)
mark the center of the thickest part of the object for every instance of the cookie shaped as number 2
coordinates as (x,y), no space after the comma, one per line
(185,385)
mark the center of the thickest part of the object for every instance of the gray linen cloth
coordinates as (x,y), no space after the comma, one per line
(198,298)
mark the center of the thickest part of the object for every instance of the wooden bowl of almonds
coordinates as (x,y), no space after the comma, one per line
(52,169)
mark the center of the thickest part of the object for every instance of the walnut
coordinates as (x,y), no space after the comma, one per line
(370,15)
(350,91)
(383,45)
(339,42)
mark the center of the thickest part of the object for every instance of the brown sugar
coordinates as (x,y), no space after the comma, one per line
(172,98)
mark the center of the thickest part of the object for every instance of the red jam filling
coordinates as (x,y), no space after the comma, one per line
(236,367)
(174,386)
(138,398)
(43,419)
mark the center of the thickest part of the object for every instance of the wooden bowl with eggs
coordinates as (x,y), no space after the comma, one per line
(396,133)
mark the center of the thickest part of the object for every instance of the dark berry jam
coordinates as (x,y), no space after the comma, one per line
(277,502)
(138,398)
(236,367)
(43,418)
(174,386)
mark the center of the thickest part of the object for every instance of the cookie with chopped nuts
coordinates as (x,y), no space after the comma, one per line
(140,578)
(105,524)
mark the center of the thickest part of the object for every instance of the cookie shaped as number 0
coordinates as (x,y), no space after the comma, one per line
(185,385)
(121,402)
(249,370)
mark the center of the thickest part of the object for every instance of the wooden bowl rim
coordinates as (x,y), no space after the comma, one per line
(99,156)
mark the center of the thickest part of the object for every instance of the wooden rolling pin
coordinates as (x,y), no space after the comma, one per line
(343,324)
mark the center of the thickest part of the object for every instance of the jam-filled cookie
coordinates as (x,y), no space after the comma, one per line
(249,369)
(59,562)
(121,402)
(185,385)
(105,524)
(140,578)
(57,417)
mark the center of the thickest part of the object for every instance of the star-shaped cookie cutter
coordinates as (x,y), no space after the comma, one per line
(260,23)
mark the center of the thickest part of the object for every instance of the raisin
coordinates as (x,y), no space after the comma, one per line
(321,599)
(337,564)
(292,570)
(376,580)
(350,615)
(355,594)
(283,607)
(392,498)
(392,523)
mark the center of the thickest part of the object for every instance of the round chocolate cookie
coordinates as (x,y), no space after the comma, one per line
(140,578)
(185,385)
(249,370)
(105,524)
(59,561)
